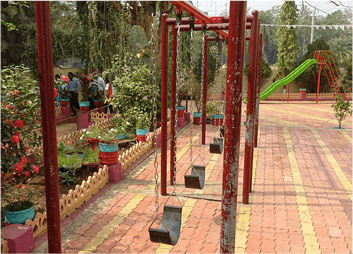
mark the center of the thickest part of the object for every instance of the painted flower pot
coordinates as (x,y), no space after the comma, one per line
(197,118)
(302,90)
(181,111)
(208,121)
(141,134)
(85,106)
(64,102)
(99,104)
(19,217)
(219,119)
(108,154)
(244,123)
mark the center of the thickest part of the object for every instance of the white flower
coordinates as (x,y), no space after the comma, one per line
(122,128)
(84,130)
(112,129)
(87,132)
(81,138)
(99,137)
(127,123)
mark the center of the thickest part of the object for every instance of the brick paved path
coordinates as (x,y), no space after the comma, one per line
(301,200)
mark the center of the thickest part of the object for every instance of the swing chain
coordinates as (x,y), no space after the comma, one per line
(176,106)
(201,97)
(192,64)
(154,81)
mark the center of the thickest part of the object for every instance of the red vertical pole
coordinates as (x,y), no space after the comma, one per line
(235,65)
(249,144)
(204,87)
(46,74)
(318,84)
(164,104)
(172,101)
(258,95)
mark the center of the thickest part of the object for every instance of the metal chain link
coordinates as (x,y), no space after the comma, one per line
(154,82)
(220,94)
(200,126)
(192,64)
(176,106)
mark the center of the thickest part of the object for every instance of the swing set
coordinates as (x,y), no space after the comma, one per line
(170,224)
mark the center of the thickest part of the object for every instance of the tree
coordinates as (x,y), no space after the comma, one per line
(288,47)
(340,48)
(342,109)
(266,71)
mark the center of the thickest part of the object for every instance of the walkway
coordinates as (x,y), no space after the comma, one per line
(301,200)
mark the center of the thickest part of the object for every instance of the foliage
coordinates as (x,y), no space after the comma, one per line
(347,79)
(15,199)
(342,109)
(93,133)
(143,121)
(288,47)
(266,71)
(90,155)
(62,90)
(68,176)
(341,48)
(309,78)
(20,129)
(213,108)
(111,136)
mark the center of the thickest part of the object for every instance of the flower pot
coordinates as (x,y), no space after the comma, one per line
(99,104)
(90,164)
(85,106)
(219,119)
(19,217)
(122,136)
(64,102)
(208,121)
(141,134)
(181,111)
(197,118)
(108,154)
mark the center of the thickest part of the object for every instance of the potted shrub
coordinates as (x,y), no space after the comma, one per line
(342,109)
(19,211)
(85,90)
(64,94)
(142,126)
(91,136)
(210,109)
(108,146)
(97,96)
(218,120)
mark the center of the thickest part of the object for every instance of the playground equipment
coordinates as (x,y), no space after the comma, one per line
(169,227)
(196,179)
(323,59)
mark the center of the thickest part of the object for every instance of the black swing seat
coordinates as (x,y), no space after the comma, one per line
(216,146)
(172,220)
(197,178)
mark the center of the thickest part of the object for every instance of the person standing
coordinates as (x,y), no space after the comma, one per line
(73,87)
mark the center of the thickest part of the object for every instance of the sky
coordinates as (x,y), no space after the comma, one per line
(215,7)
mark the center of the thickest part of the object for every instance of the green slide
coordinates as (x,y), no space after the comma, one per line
(293,75)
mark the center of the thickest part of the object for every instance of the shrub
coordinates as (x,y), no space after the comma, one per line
(266,71)
(342,109)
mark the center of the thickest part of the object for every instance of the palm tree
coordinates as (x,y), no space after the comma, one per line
(340,47)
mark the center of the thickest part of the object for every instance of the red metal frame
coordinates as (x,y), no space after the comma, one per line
(204,89)
(173,59)
(46,74)
(251,105)
(321,56)
(235,65)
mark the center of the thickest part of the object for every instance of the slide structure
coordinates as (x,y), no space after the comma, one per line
(293,75)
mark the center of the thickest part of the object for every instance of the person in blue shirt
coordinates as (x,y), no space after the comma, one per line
(73,87)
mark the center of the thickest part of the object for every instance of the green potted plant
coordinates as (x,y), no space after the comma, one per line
(218,119)
(142,126)
(18,211)
(108,146)
(64,94)
(91,136)
(85,90)
(210,111)
(342,109)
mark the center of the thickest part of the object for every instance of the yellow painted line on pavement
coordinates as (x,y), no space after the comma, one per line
(307,107)
(102,235)
(301,114)
(187,209)
(335,166)
(344,133)
(310,240)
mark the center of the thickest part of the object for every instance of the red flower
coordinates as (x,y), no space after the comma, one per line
(2,174)
(37,186)
(2,192)
(15,138)
(25,149)
(19,186)
(55,92)
(27,173)
(14,93)
(23,160)
(19,124)
(18,168)
(35,169)
(2,146)
(35,120)
(9,107)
